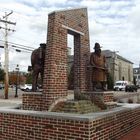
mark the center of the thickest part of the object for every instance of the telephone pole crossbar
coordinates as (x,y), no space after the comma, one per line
(9,22)
(8,29)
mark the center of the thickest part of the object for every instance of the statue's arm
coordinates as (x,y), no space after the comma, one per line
(92,60)
(32,59)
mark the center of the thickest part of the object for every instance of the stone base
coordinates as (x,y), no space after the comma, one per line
(105,96)
(99,98)
(80,107)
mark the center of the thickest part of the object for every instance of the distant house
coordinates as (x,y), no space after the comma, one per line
(15,77)
(136,72)
(119,67)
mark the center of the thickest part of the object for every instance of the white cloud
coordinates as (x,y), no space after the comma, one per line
(134,18)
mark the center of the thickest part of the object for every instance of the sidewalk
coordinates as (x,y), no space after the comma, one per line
(11,101)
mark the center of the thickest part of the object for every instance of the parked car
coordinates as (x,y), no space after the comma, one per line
(131,88)
(120,85)
(1,86)
(26,87)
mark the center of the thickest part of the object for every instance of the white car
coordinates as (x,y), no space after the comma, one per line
(120,85)
(1,86)
(26,87)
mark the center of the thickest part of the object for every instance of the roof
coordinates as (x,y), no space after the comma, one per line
(109,53)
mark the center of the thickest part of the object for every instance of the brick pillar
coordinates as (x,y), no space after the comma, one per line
(60,23)
(77,63)
(55,71)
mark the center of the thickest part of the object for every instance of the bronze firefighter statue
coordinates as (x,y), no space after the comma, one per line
(99,70)
(37,61)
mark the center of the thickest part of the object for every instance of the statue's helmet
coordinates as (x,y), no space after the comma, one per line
(97,46)
(42,44)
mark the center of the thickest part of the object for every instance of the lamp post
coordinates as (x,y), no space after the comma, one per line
(17,72)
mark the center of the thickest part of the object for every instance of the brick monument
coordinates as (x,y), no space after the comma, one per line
(32,121)
(61,23)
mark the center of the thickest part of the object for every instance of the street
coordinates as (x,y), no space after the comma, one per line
(123,96)
(120,96)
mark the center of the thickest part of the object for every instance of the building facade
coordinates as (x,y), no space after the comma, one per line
(119,67)
(136,72)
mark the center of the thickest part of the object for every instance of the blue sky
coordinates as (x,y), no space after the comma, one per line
(115,24)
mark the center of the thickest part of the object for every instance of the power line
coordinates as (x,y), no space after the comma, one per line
(26,49)
(18,44)
(17,49)
(21,48)
(33,43)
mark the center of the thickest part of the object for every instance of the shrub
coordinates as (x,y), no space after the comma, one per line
(130,101)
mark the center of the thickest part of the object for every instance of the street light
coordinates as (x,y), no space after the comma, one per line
(17,72)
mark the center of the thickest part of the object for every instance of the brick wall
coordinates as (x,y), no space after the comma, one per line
(106,96)
(34,125)
(41,127)
(33,101)
(115,126)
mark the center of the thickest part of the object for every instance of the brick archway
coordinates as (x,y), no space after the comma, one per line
(61,23)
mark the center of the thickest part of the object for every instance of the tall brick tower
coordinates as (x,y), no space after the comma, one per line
(61,23)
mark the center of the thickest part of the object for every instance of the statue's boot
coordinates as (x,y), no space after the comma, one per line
(94,86)
(104,86)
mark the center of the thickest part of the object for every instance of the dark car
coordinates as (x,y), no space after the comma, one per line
(131,88)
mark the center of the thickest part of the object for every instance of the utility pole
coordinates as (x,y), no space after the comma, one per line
(6,50)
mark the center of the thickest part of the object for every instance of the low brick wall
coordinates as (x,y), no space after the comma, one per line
(36,125)
(37,101)
(106,96)
(33,101)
